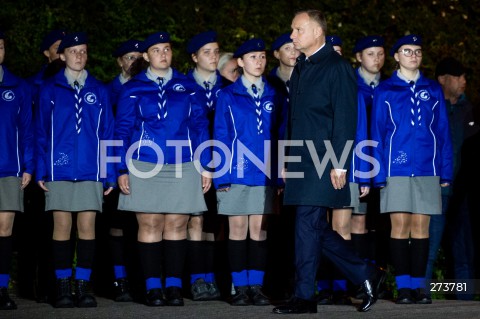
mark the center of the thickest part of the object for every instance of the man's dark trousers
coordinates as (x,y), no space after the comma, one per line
(315,238)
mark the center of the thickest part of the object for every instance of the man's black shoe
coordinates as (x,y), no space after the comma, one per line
(370,288)
(296,306)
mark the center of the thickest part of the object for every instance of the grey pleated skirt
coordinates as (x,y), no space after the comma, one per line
(247,200)
(164,192)
(71,196)
(417,195)
(11,196)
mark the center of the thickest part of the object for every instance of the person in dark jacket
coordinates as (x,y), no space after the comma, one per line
(73,117)
(321,127)
(414,152)
(452,76)
(16,163)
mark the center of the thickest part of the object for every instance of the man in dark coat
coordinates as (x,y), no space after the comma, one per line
(322,124)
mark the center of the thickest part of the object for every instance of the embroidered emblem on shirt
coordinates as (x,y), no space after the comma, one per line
(179,88)
(90,98)
(402,158)
(63,160)
(423,95)
(242,164)
(146,139)
(269,106)
(8,95)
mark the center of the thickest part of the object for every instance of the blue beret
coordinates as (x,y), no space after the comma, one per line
(200,40)
(127,47)
(281,40)
(51,38)
(252,45)
(71,40)
(408,39)
(368,42)
(334,40)
(2,35)
(159,37)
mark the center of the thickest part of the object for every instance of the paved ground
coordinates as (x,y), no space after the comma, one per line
(440,309)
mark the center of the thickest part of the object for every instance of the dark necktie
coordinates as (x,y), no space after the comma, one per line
(372,85)
(162,100)
(78,107)
(208,94)
(416,116)
(258,108)
(287,84)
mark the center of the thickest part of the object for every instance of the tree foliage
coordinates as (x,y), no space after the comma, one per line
(448,27)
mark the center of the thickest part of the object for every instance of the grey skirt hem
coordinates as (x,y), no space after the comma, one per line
(416,195)
(71,196)
(11,194)
(166,191)
(247,200)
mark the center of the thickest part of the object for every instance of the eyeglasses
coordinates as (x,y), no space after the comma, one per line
(410,52)
(130,57)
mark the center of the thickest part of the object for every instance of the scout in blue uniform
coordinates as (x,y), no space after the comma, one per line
(157,110)
(126,54)
(336,42)
(410,124)
(202,228)
(34,255)
(370,54)
(73,117)
(48,48)
(16,163)
(246,114)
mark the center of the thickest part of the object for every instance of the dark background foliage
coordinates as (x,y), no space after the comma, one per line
(448,27)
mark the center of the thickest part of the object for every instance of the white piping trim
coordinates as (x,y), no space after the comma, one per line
(234,138)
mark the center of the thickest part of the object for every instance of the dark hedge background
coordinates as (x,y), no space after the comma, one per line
(448,27)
